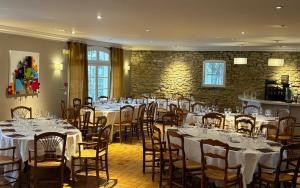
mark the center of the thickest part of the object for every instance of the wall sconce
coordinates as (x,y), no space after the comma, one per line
(273,62)
(240,61)
(58,66)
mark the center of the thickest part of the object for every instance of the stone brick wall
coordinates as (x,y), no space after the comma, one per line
(169,72)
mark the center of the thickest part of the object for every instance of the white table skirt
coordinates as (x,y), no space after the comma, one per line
(229,119)
(23,144)
(248,156)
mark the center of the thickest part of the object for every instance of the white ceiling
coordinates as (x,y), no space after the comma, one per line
(173,24)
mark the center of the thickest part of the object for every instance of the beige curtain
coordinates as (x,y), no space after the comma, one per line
(78,71)
(116,73)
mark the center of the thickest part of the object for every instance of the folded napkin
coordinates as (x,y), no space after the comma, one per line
(6,125)
(265,150)
(69,127)
(274,144)
(8,130)
(16,135)
(38,130)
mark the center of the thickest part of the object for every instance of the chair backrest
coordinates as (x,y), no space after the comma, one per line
(184,104)
(208,153)
(289,161)
(162,103)
(156,139)
(84,123)
(72,116)
(21,111)
(101,122)
(170,119)
(214,119)
(176,147)
(172,108)
(283,112)
(286,126)
(76,103)
(268,130)
(141,113)
(92,111)
(126,113)
(63,109)
(250,109)
(244,123)
(53,145)
(180,116)
(102,98)
(88,101)
(196,107)
(103,139)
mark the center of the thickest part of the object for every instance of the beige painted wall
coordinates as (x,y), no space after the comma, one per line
(52,81)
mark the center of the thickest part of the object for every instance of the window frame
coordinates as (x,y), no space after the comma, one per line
(97,63)
(203,74)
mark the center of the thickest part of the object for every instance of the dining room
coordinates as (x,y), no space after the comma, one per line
(148,94)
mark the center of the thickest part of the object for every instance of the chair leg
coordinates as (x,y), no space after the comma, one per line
(144,158)
(161,170)
(106,167)
(62,176)
(86,167)
(120,134)
(73,170)
(35,183)
(170,175)
(153,165)
(97,171)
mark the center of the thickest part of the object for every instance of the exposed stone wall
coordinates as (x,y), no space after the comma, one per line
(170,72)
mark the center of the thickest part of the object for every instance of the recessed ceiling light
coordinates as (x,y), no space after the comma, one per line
(279,7)
(147,30)
(99,17)
(73,32)
(243,33)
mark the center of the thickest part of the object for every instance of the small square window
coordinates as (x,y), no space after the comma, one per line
(214,73)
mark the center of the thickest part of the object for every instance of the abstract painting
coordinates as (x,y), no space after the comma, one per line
(24,73)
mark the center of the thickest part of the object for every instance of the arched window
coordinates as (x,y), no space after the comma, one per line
(98,72)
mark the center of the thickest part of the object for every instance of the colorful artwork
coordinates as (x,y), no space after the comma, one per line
(24,73)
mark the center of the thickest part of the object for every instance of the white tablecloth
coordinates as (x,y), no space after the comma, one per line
(29,128)
(248,156)
(112,113)
(229,119)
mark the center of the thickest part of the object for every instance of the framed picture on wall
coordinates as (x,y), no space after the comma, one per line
(23,73)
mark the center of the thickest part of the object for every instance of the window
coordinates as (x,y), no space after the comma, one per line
(98,72)
(214,73)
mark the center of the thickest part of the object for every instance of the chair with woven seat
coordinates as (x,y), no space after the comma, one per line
(178,161)
(244,124)
(72,116)
(84,124)
(172,108)
(169,120)
(92,121)
(94,151)
(184,104)
(283,112)
(286,171)
(76,103)
(150,115)
(250,109)
(125,121)
(159,155)
(53,145)
(10,164)
(285,130)
(229,175)
(162,108)
(180,116)
(21,112)
(139,120)
(268,130)
(214,119)
(88,101)
(196,106)
(100,124)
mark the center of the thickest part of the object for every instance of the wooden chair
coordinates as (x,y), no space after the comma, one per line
(268,130)
(63,109)
(53,144)
(214,119)
(250,109)
(172,108)
(125,120)
(94,151)
(21,111)
(285,130)
(178,161)
(102,98)
(184,104)
(286,171)
(159,155)
(283,112)
(244,124)
(92,120)
(197,106)
(76,103)
(14,164)
(84,124)
(229,175)
(150,115)
(139,120)
(101,122)
(162,107)
(88,101)
(169,120)
(72,116)
(180,116)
